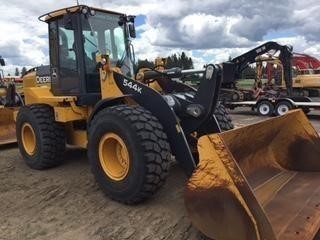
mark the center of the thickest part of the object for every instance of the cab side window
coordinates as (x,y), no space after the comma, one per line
(68,62)
(67,52)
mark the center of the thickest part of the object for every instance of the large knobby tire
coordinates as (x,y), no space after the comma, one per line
(129,153)
(41,139)
(223,118)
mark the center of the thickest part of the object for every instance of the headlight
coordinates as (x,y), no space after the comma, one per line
(209,72)
(92,12)
(84,10)
(194,110)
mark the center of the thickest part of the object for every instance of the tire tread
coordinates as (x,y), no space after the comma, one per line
(52,137)
(153,142)
(223,117)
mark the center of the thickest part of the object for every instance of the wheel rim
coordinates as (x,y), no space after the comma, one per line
(264,109)
(283,109)
(28,139)
(114,156)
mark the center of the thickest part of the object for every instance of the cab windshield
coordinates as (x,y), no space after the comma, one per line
(102,34)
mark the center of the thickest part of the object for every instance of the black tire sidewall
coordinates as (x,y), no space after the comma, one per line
(25,115)
(223,118)
(49,134)
(134,180)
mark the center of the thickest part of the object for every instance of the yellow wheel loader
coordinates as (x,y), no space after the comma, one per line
(10,99)
(238,188)
(8,132)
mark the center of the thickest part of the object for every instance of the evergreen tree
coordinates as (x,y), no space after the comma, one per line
(17,72)
(23,71)
(170,63)
(249,72)
(143,64)
(180,60)
(183,60)
(175,60)
(190,63)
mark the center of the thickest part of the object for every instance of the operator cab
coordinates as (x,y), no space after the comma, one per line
(76,36)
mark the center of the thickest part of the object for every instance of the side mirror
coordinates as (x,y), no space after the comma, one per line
(132,30)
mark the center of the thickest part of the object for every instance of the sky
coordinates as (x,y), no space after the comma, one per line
(209,31)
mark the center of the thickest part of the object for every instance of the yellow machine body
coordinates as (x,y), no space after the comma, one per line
(7,125)
(302,79)
(256,182)
(65,108)
(306,81)
(265,190)
(35,93)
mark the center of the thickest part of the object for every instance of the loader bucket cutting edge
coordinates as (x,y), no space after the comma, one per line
(7,126)
(258,182)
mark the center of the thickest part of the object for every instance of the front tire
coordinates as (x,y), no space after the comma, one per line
(41,139)
(128,152)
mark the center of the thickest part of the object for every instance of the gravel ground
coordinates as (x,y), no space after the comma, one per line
(66,203)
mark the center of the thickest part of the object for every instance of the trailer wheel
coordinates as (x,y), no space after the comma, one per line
(283,107)
(223,117)
(41,139)
(129,153)
(306,110)
(265,108)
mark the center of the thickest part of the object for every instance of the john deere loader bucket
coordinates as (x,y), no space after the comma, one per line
(258,182)
(7,126)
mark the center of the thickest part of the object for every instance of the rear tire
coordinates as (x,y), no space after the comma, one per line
(41,139)
(139,167)
(283,107)
(265,108)
(223,118)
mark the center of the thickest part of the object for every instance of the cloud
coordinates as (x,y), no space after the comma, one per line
(207,30)
(23,39)
(217,24)
(307,19)
(227,24)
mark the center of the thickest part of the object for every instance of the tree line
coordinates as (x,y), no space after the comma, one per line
(185,62)
(20,73)
(175,60)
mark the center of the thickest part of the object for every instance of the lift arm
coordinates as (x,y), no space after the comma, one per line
(241,62)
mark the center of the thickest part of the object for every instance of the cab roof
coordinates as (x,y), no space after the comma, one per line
(61,12)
